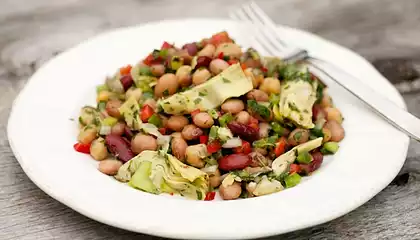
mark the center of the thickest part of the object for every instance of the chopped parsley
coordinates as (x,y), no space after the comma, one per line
(297,136)
(259,109)
(203,93)
(197,100)
(225,80)
(166,92)
(293,107)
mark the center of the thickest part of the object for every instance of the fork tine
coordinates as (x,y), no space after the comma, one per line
(258,34)
(267,21)
(269,37)
(262,48)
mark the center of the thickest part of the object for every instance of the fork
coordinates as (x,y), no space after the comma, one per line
(268,40)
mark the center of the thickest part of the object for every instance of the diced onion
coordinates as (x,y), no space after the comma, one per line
(232,143)
(105,130)
(210,169)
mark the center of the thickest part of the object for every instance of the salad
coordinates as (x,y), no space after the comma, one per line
(210,116)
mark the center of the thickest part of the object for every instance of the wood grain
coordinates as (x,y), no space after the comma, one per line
(33,31)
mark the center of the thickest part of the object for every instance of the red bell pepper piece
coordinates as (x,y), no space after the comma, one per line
(210,196)
(146,113)
(166,45)
(83,148)
(280,146)
(125,70)
(221,55)
(162,131)
(204,139)
(294,168)
(193,113)
(245,148)
(213,146)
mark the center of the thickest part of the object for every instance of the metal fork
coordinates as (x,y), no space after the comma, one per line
(268,40)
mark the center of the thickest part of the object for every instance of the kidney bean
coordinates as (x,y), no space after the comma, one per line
(126,81)
(317,161)
(119,147)
(191,48)
(244,131)
(234,162)
(203,61)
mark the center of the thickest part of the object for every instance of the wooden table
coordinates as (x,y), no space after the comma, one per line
(386,32)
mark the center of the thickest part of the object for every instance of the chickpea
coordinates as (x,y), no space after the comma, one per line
(112,108)
(176,135)
(270,85)
(207,51)
(179,147)
(257,95)
(87,115)
(87,134)
(109,166)
(151,102)
(264,129)
(326,100)
(230,192)
(243,117)
(142,142)
(98,149)
(177,123)
(298,136)
(166,85)
(134,92)
(233,106)
(191,132)
(333,114)
(229,50)
(157,70)
(118,129)
(218,65)
(214,179)
(327,134)
(194,155)
(183,76)
(203,120)
(200,76)
(337,131)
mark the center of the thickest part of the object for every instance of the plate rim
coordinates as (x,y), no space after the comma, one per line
(36,179)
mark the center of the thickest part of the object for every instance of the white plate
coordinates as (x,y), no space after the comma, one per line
(42,137)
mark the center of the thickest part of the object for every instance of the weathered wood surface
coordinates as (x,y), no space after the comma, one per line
(387,32)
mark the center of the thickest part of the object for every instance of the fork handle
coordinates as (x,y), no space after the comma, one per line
(395,115)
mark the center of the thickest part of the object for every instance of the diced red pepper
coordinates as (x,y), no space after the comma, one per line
(232,61)
(149,60)
(221,37)
(221,55)
(243,66)
(193,113)
(294,168)
(280,146)
(210,196)
(204,139)
(245,148)
(146,113)
(171,193)
(83,148)
(264,69)
(166,45)
(125,70)
(213,146)
(162,131)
